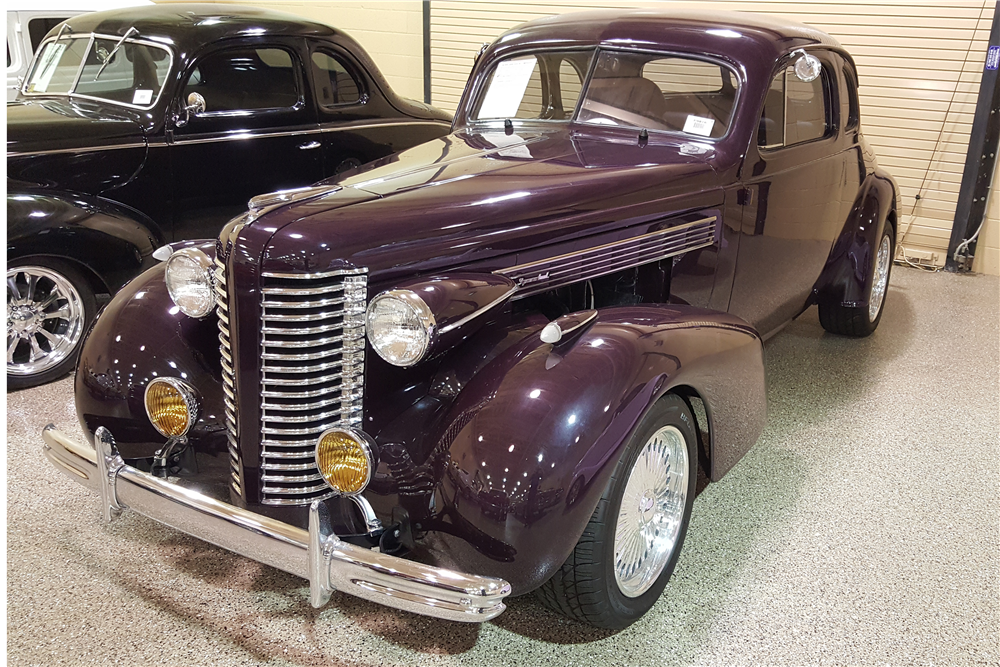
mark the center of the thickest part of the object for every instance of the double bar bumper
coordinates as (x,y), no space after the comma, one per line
(317,554)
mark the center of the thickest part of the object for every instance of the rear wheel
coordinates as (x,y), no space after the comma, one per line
(629,549)
(50,305)
(862,321)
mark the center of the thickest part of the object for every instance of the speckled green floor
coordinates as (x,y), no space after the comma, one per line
(863,528)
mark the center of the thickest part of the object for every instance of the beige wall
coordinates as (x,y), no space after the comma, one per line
(919,66)
(391,32)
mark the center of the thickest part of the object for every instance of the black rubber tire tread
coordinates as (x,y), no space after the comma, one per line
(584,588)
(854,322)
(84,288)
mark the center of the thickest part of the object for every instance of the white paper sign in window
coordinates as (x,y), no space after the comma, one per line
(510,80)
(700,126)
(142,97)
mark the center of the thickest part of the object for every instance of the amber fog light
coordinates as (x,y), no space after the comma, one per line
(344,458)
(171,406)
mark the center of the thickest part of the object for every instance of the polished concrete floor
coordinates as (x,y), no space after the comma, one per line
(863,528)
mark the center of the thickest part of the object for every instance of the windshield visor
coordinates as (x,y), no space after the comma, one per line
(660,92)
(541,86)
(132,76)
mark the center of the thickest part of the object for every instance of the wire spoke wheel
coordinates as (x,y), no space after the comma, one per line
(46,317)
(881,278)
(651,512)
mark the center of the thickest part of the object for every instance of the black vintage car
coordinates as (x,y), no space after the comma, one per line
(146,126)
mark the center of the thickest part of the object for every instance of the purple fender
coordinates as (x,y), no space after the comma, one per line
(141,334)
(513,473)
(846,278)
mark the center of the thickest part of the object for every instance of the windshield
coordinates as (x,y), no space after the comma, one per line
(89,66)
(652,91)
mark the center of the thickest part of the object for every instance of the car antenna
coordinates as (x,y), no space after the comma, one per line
(643,137)
(508,127)
(115,50)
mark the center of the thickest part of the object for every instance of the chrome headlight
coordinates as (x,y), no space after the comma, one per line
(400,326)
(189,282)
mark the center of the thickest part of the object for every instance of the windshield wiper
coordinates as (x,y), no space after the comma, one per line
(63,29)
(115,50)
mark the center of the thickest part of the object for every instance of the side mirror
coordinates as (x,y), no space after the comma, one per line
(195,105)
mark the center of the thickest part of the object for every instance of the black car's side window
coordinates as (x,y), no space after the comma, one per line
(795,111)
(335,85)
(853,112)
(245,78)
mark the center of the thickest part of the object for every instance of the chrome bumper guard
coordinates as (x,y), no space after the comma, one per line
(317,555)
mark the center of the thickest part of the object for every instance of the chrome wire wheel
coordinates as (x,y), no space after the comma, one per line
(651,512)
(46,317)
(880,279)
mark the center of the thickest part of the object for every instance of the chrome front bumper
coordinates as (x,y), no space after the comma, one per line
(317,554)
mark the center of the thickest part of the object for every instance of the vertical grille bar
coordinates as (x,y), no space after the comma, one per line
(228,377)
(312,373)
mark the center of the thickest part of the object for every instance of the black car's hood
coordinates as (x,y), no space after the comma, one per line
(57,123)
(467,197)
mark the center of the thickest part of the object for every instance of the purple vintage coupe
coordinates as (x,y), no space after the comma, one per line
(495,363)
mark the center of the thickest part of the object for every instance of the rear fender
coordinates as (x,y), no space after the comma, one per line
(527,448)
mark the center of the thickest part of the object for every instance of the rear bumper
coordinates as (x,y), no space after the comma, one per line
(317,554)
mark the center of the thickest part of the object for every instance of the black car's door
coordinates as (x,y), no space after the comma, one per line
(799,185)
(257,134)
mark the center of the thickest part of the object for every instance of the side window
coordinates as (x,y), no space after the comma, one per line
(853,111)
(570,85)
(334,83)
(795,111)
(39,27)
(245,78)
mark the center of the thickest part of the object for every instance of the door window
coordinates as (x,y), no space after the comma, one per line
(39,27)
(795,111)
(334,83)
(245,79)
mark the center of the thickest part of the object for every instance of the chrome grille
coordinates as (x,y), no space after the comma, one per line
(312,365)
(228,378)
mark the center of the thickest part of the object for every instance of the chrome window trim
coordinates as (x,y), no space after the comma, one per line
(76,81)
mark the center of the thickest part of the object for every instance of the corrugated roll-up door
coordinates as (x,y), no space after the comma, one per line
(919,67)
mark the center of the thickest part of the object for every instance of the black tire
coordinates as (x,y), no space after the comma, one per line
(858,322)
(585,588)
(68,290)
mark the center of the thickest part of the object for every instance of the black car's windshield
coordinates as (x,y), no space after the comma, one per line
(653,91)
(89,66)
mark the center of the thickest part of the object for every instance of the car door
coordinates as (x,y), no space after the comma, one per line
(795,195)
(256,134)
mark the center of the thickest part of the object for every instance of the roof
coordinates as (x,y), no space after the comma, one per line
(189,25)
(736,34)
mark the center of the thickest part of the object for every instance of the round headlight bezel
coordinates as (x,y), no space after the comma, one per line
(187,394)
(422,314)
(363,442)
(203,268)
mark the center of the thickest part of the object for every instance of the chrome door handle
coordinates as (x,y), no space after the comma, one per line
(309,146)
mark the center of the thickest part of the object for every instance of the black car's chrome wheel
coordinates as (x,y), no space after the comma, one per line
(628,551)
(49,308)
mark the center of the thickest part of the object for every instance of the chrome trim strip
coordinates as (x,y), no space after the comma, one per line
(274,393)
(480,311)
(304,419)
(302,381)
(285,478)
(545,274)
(287,466)
(309,356)
(308,317)
(332,301)
(316,555)
(315,276)
(333,398)
(295,291)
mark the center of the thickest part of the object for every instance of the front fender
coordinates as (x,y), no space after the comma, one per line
(113,242)
(140,335)
(527,449)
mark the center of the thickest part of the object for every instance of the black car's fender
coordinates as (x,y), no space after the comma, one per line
(112,242)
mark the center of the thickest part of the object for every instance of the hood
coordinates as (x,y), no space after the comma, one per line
(486,200)
(55,124)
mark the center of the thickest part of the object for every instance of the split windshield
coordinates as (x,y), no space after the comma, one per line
(89,66)
(651,91)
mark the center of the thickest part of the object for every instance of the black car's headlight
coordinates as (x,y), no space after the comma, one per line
(189,282)
(400,327)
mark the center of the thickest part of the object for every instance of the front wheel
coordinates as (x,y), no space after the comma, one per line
(859,322)
(50,305)
(630,546)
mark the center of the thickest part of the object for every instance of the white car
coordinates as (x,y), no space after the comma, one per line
(27,27)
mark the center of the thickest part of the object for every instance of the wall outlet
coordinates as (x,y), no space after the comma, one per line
(918,256)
